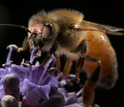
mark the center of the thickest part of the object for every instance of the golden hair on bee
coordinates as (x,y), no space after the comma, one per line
(66,16)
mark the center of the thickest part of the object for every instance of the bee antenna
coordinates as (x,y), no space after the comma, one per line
(16,26)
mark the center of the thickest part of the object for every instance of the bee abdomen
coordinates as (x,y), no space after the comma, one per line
(109,81)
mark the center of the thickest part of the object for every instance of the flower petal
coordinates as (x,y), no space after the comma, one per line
(56,99)
(63,91)
(44,91)
(2,72)
(20,71)
(1,92)
(32,98)
(33,93)
(72,98)
(26,86)
(54,82)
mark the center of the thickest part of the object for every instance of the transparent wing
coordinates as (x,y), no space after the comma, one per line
(90,26)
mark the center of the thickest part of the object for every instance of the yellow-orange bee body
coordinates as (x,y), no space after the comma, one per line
(98,44)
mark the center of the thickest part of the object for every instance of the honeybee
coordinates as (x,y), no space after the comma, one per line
(65,32)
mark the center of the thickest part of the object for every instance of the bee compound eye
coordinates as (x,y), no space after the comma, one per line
(46,32)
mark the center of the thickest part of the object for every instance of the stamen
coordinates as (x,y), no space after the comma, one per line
(11,47)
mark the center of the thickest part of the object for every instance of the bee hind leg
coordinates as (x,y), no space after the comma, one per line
(90,85)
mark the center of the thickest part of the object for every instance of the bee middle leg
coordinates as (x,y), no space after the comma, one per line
(82,48)
(67,67)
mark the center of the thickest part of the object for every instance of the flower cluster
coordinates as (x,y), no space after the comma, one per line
(28,85)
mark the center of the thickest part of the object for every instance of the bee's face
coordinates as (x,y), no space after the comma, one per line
(40,34)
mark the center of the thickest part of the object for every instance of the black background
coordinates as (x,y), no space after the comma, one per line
(104,12)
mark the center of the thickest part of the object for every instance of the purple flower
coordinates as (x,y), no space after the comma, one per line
(35,84)
(38,86)
(7,69)
(73,99)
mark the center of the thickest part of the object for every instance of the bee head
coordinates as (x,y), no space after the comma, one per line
(40,33)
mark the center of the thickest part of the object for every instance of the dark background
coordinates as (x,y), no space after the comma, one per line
(104,12)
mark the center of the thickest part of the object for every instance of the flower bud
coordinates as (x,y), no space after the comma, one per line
(9,101)
(11,85)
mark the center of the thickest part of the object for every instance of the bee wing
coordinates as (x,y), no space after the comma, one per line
(90,26)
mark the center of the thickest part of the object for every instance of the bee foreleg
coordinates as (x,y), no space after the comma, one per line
(51,51)
(24,45)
